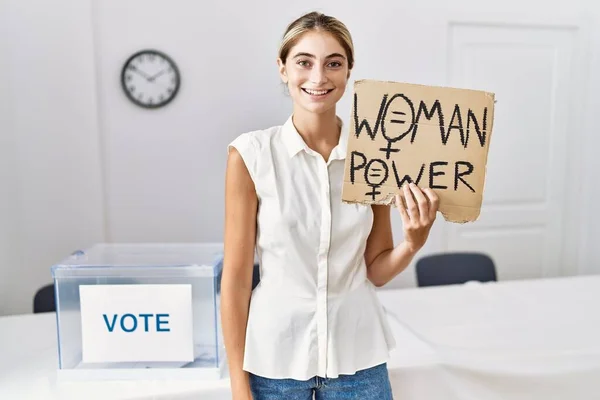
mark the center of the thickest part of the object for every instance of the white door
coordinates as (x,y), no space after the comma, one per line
(533,56)
(531,70)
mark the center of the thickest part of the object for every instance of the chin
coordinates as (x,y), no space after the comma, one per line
(318,108)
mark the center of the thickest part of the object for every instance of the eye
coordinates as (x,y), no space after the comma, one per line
(335,64)
(303,63)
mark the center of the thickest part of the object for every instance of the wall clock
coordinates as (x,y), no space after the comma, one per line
(150,79)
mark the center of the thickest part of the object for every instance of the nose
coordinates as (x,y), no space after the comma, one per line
(317,75)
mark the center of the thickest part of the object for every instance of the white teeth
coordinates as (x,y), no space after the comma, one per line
(316,92)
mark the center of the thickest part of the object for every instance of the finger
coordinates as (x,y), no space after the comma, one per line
(413,210)
(422,203)
(434,202)
(402,209)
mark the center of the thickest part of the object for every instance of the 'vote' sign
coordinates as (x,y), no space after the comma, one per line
(129,323)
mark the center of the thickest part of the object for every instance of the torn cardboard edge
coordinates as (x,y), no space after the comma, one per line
(363,81)
(448,212)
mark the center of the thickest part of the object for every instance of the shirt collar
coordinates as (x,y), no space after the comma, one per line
(294,142)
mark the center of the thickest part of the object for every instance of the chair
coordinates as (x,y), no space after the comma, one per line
(255,275)
(454,268)
(43,300)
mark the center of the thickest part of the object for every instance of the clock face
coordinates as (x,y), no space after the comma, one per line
(150,79)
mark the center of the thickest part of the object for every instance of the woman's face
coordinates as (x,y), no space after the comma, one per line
(316,71)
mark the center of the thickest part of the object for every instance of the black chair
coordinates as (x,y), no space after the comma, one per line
(43,300)
(454,268)
(255,275)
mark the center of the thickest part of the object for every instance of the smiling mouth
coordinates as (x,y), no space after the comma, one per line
(317,92)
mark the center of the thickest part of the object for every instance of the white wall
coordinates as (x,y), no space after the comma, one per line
(165,168)
(8,181)
(81,164)
(589,194)
(53,172)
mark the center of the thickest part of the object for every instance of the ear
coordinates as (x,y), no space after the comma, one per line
(282,70)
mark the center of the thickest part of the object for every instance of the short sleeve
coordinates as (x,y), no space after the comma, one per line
(245,144)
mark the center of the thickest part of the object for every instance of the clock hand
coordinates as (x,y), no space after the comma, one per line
(140,72)
(153,77)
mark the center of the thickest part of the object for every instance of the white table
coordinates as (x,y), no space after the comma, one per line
(508,340)
(28,362)
(525,340)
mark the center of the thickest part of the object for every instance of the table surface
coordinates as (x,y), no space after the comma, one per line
(525,340)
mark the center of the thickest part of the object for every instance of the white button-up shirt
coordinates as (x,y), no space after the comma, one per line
(314,312)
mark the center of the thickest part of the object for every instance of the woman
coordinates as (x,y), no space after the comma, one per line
(313,325)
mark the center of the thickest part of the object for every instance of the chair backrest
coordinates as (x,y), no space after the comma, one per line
(454,268)
(43,300)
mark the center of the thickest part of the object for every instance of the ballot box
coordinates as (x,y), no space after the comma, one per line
(140,311)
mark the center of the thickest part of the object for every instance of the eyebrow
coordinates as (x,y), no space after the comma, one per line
(312,56)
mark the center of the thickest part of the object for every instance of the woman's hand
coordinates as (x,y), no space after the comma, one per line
(418,214)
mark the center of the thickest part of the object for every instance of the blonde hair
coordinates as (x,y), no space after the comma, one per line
(317,21)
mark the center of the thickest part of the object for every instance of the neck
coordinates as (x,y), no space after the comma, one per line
(317,129)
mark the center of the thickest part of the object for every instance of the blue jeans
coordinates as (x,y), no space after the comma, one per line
(369,384)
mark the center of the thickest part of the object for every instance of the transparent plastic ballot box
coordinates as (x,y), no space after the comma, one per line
(140,311)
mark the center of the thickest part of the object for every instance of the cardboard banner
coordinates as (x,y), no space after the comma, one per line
(436,137)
